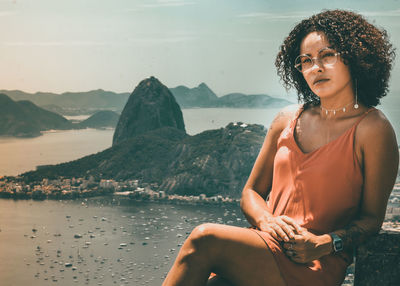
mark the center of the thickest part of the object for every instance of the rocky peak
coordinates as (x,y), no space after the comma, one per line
(206,91)
(150,106)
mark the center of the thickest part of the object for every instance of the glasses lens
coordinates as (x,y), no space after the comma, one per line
(325,57)
(328,57)
(303,62)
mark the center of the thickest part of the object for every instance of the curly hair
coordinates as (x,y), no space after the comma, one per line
(363,47)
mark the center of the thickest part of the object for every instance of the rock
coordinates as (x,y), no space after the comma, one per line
(150,106)
(214,162)
(378,260)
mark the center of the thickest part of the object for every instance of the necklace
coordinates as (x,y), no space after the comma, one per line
(338,109)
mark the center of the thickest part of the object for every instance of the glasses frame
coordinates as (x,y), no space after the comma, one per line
(314,60)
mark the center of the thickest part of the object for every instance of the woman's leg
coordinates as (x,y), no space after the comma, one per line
(236,254)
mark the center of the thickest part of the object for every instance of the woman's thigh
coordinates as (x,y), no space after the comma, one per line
(239,255)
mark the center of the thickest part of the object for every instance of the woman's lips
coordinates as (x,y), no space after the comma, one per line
(322,80)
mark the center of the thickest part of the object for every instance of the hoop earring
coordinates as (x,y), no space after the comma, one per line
(356,104)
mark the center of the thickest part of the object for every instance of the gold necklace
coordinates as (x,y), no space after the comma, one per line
(338,109)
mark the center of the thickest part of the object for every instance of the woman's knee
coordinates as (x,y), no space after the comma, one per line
(203,236)
(200,242)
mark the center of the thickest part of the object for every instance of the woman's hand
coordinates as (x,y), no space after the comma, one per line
(282,228)
(306,247)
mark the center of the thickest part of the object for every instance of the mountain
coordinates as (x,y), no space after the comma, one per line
(240,100)
(201,96)
(212,162)
(75,103)
(25,119)
(150,106)
(150,144)
(70,102)
(104,118)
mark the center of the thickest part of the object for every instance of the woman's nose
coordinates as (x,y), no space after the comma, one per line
(317,63)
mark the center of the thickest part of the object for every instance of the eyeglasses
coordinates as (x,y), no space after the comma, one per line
(326,57)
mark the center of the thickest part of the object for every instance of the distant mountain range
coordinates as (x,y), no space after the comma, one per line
(150,144)
(75,103)
(203,96)
(25,119)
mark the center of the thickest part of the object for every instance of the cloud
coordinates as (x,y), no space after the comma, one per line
(167,3)
(7,13)
(301,15)
(255,40)
(392,13)
(162,40)
(132,41)
(56,44)
(276,16)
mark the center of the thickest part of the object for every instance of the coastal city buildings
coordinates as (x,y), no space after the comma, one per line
(63,188)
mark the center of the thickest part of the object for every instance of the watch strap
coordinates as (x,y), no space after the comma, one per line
(336,242)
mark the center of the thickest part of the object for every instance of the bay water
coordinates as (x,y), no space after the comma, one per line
(104,241)
(97,241)
(121,242)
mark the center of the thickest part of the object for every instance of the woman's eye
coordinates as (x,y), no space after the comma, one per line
(306,60)
(328,54)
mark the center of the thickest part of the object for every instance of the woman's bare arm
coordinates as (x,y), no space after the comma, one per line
(380,165)
(259,182)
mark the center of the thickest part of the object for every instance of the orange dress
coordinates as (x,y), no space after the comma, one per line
(321,191)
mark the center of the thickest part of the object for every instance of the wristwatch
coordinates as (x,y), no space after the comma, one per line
(337,242)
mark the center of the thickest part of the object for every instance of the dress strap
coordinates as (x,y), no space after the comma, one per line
(296,116)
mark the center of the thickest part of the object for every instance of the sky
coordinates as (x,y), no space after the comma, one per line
(80,45)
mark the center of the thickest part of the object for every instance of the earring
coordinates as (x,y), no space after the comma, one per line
(356,104)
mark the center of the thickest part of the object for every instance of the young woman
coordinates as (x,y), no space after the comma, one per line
(327,167)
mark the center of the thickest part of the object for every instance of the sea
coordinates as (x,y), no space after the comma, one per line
(97,241)
(104,240)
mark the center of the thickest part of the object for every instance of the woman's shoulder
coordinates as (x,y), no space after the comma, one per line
(283,118)
(375,127)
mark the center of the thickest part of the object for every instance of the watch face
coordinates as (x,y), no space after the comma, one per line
(338,245)
(337,242)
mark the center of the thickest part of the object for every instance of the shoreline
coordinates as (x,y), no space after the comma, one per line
(137,196)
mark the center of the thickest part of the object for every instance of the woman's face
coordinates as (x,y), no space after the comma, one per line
(325,80)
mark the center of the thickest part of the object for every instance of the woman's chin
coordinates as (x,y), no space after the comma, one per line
(322,93)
